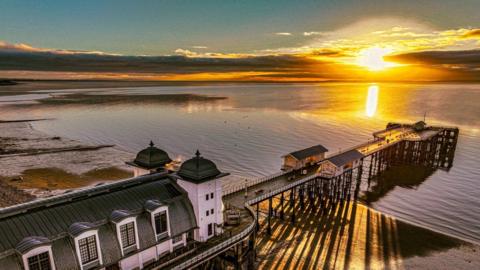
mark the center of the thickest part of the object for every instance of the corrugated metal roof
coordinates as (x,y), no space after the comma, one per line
(58,218)
(119,215)
(152,205)
(308,152)
(345,157)
(31,242)
(79,227)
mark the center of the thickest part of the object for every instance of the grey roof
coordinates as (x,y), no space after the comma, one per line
(61,217)
(198,169)
(308,152)
(151,158)
(79,227)
(119,215)
(345,157)
(152,205)
(11,263)
(31,242)
(64,254)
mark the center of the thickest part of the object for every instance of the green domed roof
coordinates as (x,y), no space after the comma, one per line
(152,157)
(198,169)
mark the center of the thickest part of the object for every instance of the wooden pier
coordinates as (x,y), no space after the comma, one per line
(316,192)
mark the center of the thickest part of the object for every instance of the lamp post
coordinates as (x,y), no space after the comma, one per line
(246,188)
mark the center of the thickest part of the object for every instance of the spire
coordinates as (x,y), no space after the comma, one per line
(151,143)
(197,154)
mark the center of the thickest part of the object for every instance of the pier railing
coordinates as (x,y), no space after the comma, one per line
(222,247)
(253,182)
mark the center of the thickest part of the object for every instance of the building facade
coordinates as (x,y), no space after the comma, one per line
(129,224)
(305,157)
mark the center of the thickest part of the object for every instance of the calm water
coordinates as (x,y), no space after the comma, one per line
(247,132)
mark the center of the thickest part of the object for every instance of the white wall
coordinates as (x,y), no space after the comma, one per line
(139,171)
(131,262)
(197,195)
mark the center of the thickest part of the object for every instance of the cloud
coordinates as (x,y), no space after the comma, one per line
(473,33)
(21,47)
(185,52)
(27,58)
(313,33)
(283,34)
(463,57)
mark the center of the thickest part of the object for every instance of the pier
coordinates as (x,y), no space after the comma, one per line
(316,188)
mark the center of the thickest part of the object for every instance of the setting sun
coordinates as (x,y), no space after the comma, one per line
(372,58)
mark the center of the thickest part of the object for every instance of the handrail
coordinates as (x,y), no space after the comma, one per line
(284,188)
(254,182)
(222,246)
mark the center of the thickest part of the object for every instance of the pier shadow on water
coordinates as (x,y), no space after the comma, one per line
(405,176)
(346,236)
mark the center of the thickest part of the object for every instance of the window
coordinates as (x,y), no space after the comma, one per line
(127,233)
(206,197)
(211,195)
(210,229)
(211,211)
(39,262)
(88,249)
(206,213)
(161,223)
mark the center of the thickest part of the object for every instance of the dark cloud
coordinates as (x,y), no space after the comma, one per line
(465,57)
(472,33)
(328,53)
(94,62)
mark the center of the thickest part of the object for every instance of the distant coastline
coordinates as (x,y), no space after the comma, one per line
(41,84)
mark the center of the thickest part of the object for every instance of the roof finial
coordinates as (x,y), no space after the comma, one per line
(197,153)
(151,143)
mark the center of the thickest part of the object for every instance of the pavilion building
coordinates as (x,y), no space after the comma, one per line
(128,224)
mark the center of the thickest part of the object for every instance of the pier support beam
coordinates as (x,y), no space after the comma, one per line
(282,212)
(269,226)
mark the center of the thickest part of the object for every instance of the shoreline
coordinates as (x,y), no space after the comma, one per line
(41,165)
(29,85)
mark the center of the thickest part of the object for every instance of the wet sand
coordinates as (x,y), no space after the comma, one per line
(35,163)
(354,236)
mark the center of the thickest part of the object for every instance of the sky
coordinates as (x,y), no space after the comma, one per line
(241,40)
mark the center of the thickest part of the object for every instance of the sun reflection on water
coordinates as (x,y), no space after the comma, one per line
(372,100)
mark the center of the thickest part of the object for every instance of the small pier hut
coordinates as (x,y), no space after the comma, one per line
(337,164)
(301,158)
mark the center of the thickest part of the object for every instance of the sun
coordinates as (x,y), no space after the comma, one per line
(372,58)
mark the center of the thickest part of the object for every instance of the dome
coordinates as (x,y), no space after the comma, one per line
(198,169)
(152,157)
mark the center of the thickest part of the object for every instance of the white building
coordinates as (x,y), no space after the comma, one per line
(200,178)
